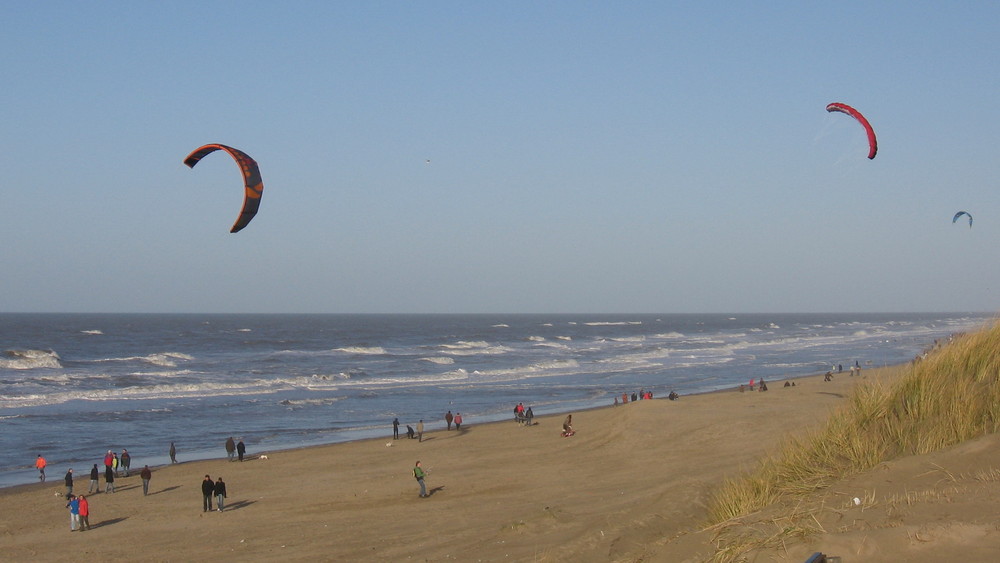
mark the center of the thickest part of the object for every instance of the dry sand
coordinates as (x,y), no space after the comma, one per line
(631,485)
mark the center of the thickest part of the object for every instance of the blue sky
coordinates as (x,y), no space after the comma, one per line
(584,157)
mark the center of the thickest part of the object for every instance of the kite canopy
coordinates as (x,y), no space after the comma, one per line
(844,108)
(959,214)
(253,186)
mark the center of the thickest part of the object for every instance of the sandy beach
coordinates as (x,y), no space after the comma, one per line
(631,485)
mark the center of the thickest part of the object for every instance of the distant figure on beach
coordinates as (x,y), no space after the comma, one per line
(743,388)
(634,398)
(763,386)
(616,400)
(528,415)
(568,426)
(840,368)
(420,430)
(40,464)
(409,432)
(458,421)
(788,384)
(395,428)
(448,417)
(418,474)
(126,461)
(624,399)
(173,453)
(673,396)
(230,448)
(828,376)
(95,475)
(751,383)
(220,493)
(207,490)
(115,464)
(642,394)
(84,511)
(109,461)
(241,449)
(109,480)
(146,474)
(69,482)
(74,512)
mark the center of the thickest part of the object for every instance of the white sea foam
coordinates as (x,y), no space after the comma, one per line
(439,360)
(91,332)
(501,325)
(361,350)
(30,359)
(463,348)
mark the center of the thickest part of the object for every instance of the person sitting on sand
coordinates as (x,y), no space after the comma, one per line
(673,395)
(568,426)
(409,432)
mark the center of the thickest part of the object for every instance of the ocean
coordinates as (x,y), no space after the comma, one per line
(73,386)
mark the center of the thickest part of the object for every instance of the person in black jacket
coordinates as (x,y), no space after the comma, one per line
(220,493)
(69,483)
(94,476)
(241,449)
(207,490)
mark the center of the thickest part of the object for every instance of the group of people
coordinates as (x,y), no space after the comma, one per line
(523,415)
(233,449)
(457,419)
(641,395)
(410,432)
(211,489)
(78,505)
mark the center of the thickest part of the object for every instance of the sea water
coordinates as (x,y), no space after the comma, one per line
(73,386)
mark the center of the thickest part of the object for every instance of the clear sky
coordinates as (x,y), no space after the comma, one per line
(653,157)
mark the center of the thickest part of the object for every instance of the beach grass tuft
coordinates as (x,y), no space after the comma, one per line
(949,395)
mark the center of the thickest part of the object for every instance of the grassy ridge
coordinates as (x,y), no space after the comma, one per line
(950,396)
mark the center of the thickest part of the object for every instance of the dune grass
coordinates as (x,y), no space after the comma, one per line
(951,395)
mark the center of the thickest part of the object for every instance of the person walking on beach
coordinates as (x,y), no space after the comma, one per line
(69,482)
(145,475)
(448,418)
(115,464)
(395,428)
(418,473)
(126,460)
(568,426)
(241,449)
(84,512)
(528,415)
(74,512)
(220,493)
(40,464)
(108,460)
(94,476)
(458,421)
(420,430)
(173,453)
(109,480)
(230,448)
(207,490)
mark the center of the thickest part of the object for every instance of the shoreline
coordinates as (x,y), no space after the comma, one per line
(633,479)
(433,427)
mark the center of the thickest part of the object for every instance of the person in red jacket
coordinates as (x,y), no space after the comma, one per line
(84,513)
(40,464)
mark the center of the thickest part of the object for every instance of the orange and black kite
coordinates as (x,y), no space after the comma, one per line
(253,185)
